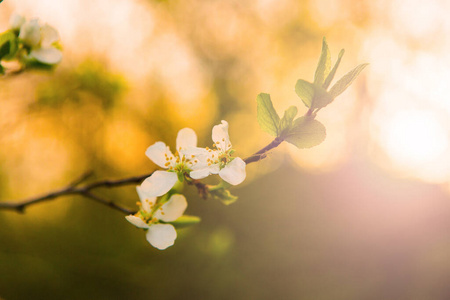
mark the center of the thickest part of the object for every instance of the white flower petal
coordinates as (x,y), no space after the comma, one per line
(159,183)
(161,236)
(220,136)
(146,201)
(205,172)
(205,158)
(49,35)
(16,21)
(186,138)
(157,153)
(48,56)
(136,221)
(234,172)
(30,32)
(172,209)
(195,151)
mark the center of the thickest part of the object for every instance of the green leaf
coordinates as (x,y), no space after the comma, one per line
(306,132)
(268,118)
(286,121)
(345,81)
(305,90)
(8,45)
(224,196)
(324,65)
(185,221)
(37,65)
(321,98)
(330,76)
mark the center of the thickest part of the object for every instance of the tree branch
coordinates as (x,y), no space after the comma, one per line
(73,189)
(261,154)
(86,190)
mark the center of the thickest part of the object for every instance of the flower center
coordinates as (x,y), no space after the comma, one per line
(179,162)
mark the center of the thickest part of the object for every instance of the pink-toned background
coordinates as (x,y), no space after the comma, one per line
(365,215)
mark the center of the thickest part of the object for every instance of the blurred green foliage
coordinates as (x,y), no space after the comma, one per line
(89,77)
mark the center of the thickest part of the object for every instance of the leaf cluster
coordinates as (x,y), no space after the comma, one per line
(305,131)
(316,95)
(9,46)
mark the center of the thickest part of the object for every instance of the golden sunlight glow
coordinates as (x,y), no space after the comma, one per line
(409,118)
(415,138)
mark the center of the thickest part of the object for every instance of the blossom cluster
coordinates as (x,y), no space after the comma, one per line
(188,162)
(36,41)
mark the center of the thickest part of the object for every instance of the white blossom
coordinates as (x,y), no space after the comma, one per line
(16,21)
(40,38)
(183,161)
(218,160)
(159,235)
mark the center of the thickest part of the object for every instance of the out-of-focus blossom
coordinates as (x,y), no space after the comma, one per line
(41,39)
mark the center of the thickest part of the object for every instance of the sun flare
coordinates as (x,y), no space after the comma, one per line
(416,143)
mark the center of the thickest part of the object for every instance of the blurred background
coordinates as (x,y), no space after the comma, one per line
(365,215)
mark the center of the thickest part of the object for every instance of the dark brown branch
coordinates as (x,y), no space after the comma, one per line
(108,203)
(261,154)
(85,191)
(73,189)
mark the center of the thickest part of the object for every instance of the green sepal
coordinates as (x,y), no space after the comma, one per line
(185,221)
(345,81)
(288,118)
(268,118)
(180,176)
(177,188)
(324,65)
(306,132)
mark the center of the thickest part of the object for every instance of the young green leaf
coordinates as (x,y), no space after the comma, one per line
(324,65)
(330,76)
(306,132)
(321,98)
(8,45)
(305,90)
(345,81)
(268,118)
(286,121)
(223,195)
(185,220)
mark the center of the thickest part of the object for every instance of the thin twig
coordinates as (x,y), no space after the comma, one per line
(82,178)
(73,189)
(257,156)
(108,203)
